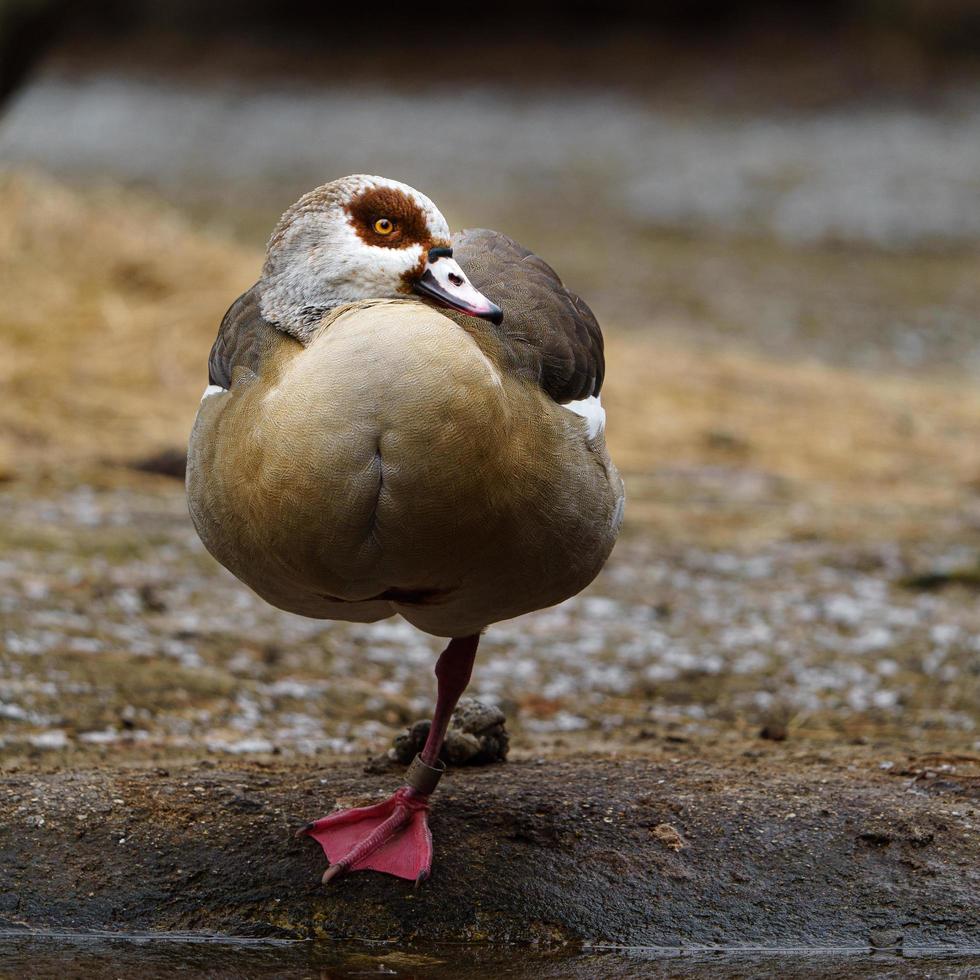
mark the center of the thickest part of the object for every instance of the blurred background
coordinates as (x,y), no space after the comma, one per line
(774,210)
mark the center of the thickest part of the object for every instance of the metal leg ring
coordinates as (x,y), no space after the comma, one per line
(423,778)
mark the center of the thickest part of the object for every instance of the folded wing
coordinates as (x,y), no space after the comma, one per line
(551,334)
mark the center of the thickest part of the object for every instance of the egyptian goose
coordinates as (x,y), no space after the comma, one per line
(400,422)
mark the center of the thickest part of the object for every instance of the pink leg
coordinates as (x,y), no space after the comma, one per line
(453,670)
(394,836)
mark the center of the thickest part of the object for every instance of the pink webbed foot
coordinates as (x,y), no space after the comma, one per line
(392,837)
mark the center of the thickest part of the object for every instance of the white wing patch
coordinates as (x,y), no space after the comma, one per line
(212,390)
(592,411)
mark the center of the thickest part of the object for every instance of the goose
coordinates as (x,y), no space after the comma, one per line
(403,422)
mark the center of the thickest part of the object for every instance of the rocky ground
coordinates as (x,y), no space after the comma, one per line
(776,847)
(123,640)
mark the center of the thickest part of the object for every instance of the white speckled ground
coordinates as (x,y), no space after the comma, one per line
(120,633)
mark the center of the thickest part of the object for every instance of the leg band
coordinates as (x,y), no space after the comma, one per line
(422,778)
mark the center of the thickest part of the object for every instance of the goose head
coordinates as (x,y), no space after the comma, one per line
(362,238)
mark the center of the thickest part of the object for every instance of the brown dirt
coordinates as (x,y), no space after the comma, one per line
(777,848)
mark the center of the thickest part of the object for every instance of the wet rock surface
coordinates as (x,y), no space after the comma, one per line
(95,958)
(727,851)
(105,957)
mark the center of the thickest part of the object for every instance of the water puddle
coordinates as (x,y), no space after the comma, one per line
(106,955)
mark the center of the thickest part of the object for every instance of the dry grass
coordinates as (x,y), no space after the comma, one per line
(109,304)
(843,453)
(108,307)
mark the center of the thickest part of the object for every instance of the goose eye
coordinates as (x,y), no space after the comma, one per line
(383,226)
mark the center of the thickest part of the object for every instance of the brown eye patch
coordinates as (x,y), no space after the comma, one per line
(375,203)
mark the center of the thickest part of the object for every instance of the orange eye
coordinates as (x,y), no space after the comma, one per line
(383,226)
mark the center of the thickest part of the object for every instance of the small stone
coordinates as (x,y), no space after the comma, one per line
(167,462)
(885,938)
(151,601)
(920,836)
(669,836)
(876,834)
(472,715)
(477,736)
(460,747)
(774,731)
(407,745)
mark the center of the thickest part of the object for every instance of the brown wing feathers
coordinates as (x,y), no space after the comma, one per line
(550,331)
(243,338)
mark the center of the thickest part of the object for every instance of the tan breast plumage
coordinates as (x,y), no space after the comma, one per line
(391,466)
